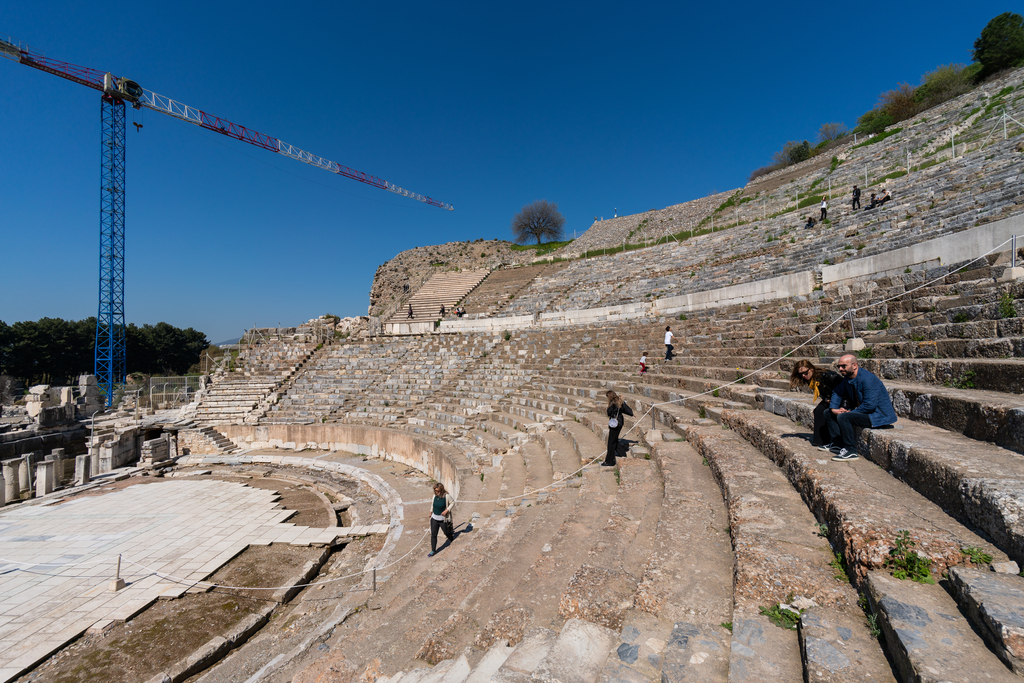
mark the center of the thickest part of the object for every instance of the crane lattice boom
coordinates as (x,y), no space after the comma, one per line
(104,82)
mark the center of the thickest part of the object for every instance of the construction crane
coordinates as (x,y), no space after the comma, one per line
(116,93)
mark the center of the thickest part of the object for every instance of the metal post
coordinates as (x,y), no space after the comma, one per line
(374,579)
(908,161)
(1004,123)
(1013,251)
(952,142)
(830,187)
(853,331)
(865,176)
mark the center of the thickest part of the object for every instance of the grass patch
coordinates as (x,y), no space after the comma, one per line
(539,249)
(878,138)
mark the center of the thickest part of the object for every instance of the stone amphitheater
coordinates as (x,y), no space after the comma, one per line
(723,547)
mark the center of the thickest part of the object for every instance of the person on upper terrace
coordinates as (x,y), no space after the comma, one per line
(856,198)
(870,403)
(886,196)
(442,310)
(668,343)
(824,208)
(643,363)
(410,311)
(822,382)
(810,223)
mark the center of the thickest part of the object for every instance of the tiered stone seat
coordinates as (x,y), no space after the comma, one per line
(260,369)
(445,289)
(343,371)
(666,565)
(501,286)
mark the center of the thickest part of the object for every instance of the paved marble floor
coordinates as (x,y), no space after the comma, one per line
(57,560)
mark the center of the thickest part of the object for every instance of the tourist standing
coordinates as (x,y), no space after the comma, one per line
(441,516)
(668,342)
(616,409)
(824,208)
(410,311)
(856,197)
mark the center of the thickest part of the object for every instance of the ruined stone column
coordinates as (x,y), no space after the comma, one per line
(25,473)
(12,489)
(44,478)
(83,469)
(58,466)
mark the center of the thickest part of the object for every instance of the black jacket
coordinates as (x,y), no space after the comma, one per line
(618,412)
(828,383)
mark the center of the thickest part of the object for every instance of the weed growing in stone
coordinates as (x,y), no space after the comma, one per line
(965,381)
(715,393)
(704,461)
(702,413)
(481,476)
(976,555)
(823,530)
(905,563)
(838,570)
(786,618)
(960,317)
(1006,308)
(873,625)
(727,625)
(682,316)
(866,353)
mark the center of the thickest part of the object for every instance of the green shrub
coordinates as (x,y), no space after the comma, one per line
(976,555)
(905,563)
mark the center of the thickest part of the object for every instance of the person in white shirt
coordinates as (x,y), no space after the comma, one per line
(668,343)
(643,362)
(824,208)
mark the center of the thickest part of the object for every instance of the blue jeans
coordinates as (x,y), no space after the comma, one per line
(840,427)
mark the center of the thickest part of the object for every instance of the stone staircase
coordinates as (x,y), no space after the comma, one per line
(445,289)
(502,286)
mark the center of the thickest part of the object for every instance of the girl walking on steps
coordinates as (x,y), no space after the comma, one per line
(616,409)
(441,516)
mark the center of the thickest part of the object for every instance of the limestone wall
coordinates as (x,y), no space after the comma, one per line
(433,459)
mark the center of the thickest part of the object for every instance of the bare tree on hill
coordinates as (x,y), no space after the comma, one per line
(539,220)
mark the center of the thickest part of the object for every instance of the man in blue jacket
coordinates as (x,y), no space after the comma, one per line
(870,403)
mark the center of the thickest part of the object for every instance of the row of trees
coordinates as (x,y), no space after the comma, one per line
(56,351)
(999,47)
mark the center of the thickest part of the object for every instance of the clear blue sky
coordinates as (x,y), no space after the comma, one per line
(487,106)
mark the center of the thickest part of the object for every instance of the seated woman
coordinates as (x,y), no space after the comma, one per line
(822,383)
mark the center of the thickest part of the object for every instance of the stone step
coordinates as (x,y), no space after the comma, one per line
(928,638)
(994,601)
(578,653)
(976,482)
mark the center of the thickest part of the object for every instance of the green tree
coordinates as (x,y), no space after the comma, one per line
(1001,44)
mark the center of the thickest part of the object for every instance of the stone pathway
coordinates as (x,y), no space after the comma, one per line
(57,561)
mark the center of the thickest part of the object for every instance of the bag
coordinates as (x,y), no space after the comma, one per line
(613,423)
(449,528)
